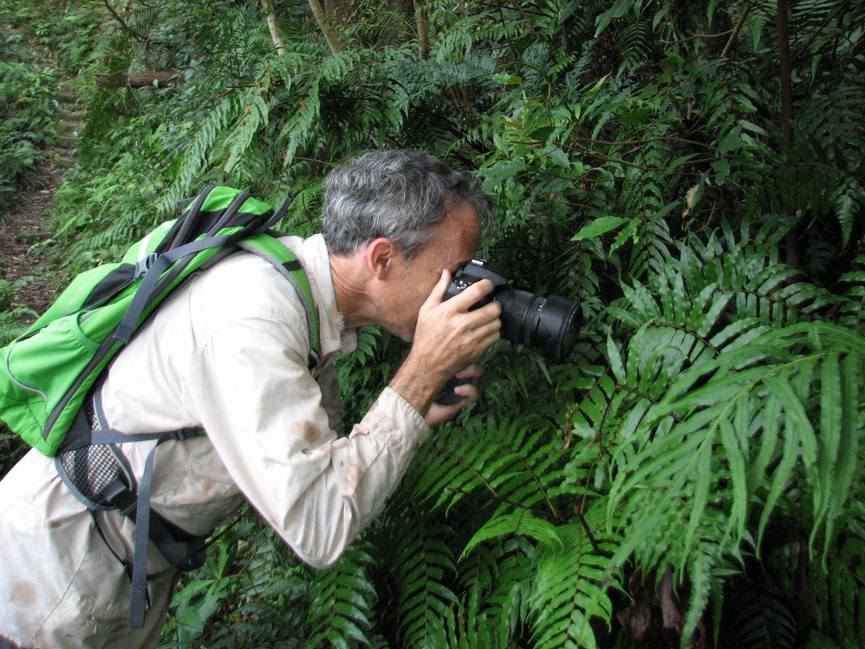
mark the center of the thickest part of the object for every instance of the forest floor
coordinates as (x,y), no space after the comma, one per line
(26,226)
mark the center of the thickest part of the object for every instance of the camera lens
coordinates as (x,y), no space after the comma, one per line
(547,323)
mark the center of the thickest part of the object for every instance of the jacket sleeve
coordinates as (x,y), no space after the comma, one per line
(264,414)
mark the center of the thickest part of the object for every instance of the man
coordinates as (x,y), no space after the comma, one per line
(228,354)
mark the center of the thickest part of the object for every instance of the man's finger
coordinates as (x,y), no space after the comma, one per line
(487,328)
(490,339)
(464,300)
(491,311)
(438,292)
(468,391)
(471,372)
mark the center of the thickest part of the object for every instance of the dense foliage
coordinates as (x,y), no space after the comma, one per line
(27,92)
(691,172)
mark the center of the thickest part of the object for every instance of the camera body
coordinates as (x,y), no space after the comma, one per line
(547,323)
(475,271)
(544,322)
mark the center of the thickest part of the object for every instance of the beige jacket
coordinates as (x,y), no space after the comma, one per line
(227,353)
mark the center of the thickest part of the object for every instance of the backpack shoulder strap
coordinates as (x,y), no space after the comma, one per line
(289,266)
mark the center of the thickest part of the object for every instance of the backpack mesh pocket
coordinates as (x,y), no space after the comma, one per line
(87,471)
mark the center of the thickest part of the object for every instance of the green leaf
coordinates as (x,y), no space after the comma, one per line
(735,456)
(700,498)
(619,9)
(518,522)
(615,360)
(559,157)
(830,432)
(598,227)
(848,442)
(722,171)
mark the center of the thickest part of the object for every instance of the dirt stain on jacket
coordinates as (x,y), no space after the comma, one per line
(22,593)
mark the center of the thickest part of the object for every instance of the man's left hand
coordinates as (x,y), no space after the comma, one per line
(438,413)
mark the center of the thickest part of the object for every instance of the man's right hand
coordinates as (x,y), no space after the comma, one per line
(449,336)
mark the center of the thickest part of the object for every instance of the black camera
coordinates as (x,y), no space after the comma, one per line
(547,323)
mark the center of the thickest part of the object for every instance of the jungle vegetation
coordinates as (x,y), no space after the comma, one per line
(691,172)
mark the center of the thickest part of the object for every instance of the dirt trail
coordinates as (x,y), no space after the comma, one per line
(29,221)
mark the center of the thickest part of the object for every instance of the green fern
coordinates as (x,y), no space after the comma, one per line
(841,595)
(342,603)
(511,463)
(497,579)
(424,565)
(197,155)
(717,407)
(255,113)
(852,311)
(571,584)
(764,619)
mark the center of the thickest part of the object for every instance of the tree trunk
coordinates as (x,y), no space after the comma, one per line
(785,74)
(422,22)
(321,20)
(275,32)
(785,69)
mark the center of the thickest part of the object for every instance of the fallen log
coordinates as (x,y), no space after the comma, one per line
(140,79)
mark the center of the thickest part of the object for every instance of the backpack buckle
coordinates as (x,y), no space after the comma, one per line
(143,265)
(117,494)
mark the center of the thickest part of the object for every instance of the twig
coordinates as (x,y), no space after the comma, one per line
(123,24)
(696,36)
(736,31)
(660,138)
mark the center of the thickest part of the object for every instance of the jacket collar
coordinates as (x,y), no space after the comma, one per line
(335,338)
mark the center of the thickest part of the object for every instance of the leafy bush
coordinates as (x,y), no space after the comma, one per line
(27,104)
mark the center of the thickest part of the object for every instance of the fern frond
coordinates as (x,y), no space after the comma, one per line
(426,601)
(342,602)
(571,584)
(500,577)
(512,463)
(255,111)
(763,617)
(853,308)
(849,203)
(840,594)
(733,413)
(194,160)
(518,522)
(299,127)
(474,628)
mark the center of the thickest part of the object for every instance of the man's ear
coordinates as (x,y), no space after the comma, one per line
(381,257)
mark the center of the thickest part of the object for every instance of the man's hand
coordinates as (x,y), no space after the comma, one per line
(439,413)
(448,337)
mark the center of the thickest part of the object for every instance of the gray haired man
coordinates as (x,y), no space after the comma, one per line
(228,354)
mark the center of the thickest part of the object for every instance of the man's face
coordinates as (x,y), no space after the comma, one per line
(453,242)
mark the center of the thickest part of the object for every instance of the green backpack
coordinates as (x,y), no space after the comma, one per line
(48,374)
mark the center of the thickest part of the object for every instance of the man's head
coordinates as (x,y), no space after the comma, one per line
(399,195)
(400,217)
